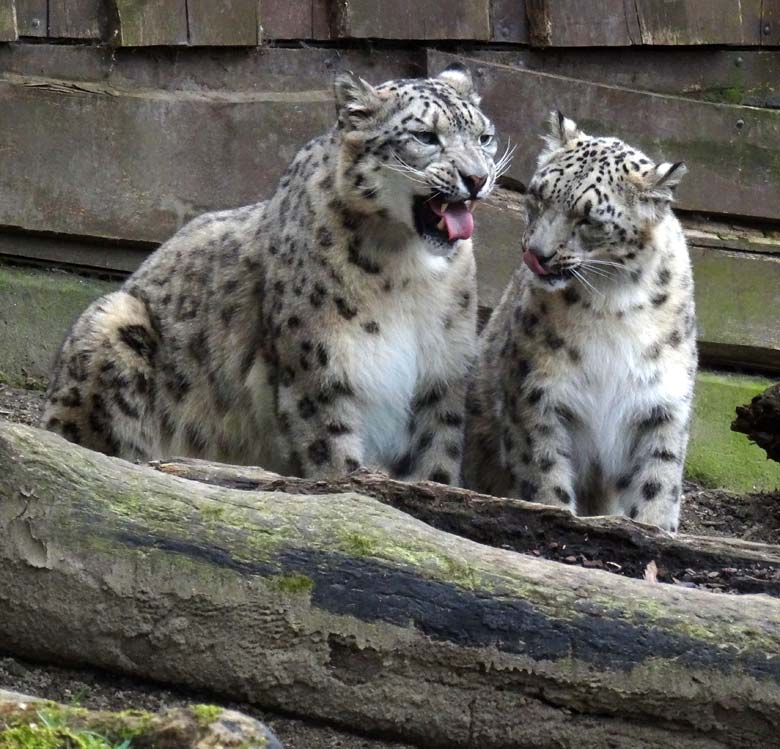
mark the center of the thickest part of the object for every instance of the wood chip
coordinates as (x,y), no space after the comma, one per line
(651,572)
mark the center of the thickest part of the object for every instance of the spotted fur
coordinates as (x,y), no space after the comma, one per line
(314,333)
(584,385)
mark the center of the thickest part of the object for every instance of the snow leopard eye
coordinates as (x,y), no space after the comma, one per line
(426,137)
(593,229)
(486,139)
(532,207)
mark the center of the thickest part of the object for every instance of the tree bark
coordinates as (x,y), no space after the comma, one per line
(615,544)
(341,608)
(760,421)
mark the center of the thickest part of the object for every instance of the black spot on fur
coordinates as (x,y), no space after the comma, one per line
(650,490)
(658,416)
(140,339)
(430,397)
(319,452)
(344,309)
(307,407)
(351,464)
(371,327)
(404,466)
(562,495)
(451,419)
(71,431)
(425,441)
(528,490)
(71,399)
(440,476)
(338,427)
(659,299)
(322,355)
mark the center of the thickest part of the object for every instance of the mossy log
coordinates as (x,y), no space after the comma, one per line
(341,608)
(615,544)
(760,421)
(31,723)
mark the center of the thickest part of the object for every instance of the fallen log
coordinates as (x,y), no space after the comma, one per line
(344,609)
(760,421)
(615,544)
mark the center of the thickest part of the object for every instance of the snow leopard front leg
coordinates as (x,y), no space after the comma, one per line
(536,441)
(319,427)
(650,489)
(436,434)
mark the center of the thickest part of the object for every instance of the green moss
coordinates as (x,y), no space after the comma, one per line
(212,512)
(207,714)
(358,545)
(718,457)
(724,94)
(293,583)
(39,306)
(52,727)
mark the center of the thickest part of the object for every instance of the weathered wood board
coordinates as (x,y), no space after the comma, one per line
(510,21)
(724,146)
(77,19)
(414,19)
(603,23)
(305,19)
(32,17)
(229,22)
(746,76)
(146,159)
(8,30)
(147,23)
(738,307)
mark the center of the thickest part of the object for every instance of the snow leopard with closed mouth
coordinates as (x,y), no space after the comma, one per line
(328,328)
(584,385)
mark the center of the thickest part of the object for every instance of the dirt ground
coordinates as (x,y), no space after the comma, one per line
(754,517)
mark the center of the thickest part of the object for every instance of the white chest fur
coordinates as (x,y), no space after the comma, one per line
(410,349)
(612,387)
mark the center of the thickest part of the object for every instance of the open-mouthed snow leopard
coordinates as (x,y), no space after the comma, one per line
(585,379)
(328,328)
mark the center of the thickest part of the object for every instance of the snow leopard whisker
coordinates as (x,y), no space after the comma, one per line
(581,278)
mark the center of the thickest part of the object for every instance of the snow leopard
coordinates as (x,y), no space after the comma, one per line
(328,328)
(583,389)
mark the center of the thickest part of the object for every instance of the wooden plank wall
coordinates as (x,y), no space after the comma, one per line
(615,23)
(167,108)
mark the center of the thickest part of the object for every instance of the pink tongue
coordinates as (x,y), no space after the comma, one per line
(533,263)
(459,221)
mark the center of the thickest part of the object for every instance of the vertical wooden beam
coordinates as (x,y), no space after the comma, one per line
(147,23)
(304,19)
(32,17)
(77,19)
(8,32)
(770,23)
(224,23)
(415,19)
(509,21)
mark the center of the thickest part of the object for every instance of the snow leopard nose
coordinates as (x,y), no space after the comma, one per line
(474,183)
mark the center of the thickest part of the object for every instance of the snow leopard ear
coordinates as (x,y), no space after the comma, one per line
(356,101)
(458,76)
(661,180)
(562,130)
